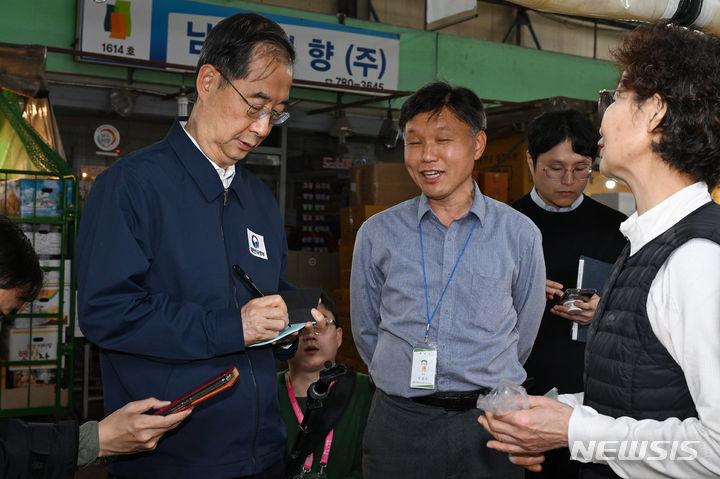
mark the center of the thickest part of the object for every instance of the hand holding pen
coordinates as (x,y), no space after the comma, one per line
(248,281)
(264,316)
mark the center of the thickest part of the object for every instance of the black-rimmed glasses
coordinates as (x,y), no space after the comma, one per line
(259,112)
(580,173)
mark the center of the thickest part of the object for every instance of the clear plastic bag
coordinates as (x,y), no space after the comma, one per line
(507,397)
(504,398)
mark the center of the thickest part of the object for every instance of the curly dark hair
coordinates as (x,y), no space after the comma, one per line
(680,65)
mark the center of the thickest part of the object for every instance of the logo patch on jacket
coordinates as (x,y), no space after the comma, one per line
(256,243)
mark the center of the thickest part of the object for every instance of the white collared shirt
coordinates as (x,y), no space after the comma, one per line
(539,201)
(226,174)
(683,308)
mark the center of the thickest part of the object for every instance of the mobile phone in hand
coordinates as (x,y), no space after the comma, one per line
(577,294)
(201,393)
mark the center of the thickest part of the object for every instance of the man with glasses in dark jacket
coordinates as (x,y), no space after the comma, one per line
(161,233)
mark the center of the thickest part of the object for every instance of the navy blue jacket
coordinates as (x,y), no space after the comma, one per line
(158,237)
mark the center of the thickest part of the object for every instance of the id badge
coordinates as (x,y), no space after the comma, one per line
(424,363)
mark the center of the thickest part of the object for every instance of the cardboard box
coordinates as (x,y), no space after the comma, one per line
(48,300)
(353,216)
(381,184)
(40,395)
(45,239)
(493,184)
(28,375)
(22,344)
(307,269)
(512,151)
(356,185)
(34,197)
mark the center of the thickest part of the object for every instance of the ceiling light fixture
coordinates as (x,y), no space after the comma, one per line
(387,135)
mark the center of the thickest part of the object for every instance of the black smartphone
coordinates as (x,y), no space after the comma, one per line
(581,294)
(201,393)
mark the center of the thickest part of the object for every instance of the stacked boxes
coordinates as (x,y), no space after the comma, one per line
(34,197)
(352,217)
(45,239)
(25,344)
(493,184)
(510,153)
(350,220)
(35,338)
(381,184)
(30,386)
(33,395)
(373,188)
(48,300)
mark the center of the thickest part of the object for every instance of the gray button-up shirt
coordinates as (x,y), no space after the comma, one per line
(487,321)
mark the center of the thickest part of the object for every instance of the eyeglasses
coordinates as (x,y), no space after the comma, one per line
(605,99)
(259,112)
(580,173)
(319,330)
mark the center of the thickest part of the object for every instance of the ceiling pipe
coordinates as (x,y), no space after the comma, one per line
(701,14)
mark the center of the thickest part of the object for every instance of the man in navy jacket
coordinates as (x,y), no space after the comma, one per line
(161,231)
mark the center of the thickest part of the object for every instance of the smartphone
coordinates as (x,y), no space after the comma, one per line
(201,393)
(286,331)
(576,294)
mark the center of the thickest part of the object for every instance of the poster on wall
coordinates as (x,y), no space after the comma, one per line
(117,27)
(173,31)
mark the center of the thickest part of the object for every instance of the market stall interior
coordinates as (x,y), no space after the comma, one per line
(337,160)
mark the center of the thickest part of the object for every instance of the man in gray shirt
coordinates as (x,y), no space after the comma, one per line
(451,279)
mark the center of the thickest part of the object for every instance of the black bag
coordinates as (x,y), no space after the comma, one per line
(38,450)
(318,423)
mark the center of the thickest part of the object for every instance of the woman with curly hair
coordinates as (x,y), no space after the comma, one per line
(651,406)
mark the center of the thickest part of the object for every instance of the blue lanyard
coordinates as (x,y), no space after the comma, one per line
(427,299)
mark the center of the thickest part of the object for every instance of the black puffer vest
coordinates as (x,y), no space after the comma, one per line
(628,372)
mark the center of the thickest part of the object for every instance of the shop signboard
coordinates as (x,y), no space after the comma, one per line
(173,31)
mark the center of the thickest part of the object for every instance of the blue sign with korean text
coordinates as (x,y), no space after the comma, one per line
(173,31)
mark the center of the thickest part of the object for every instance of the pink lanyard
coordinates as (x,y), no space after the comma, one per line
(299,415)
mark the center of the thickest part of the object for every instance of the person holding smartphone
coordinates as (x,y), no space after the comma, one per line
(55,450)
(562,145)
(561,148)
